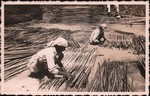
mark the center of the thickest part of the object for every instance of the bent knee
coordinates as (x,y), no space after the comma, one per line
(55,71)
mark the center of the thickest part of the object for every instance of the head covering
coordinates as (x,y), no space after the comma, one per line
(59,41)
(103,25)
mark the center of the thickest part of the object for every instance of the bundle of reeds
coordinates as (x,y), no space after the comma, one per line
(126,42)
(139,44)
(119,40)
(79,64)
(15,62)
(21,44)
(110,77)
(35,36)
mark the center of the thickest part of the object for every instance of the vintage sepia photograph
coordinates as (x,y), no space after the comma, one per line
(75,47)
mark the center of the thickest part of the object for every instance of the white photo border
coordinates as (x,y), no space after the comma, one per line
(146,3)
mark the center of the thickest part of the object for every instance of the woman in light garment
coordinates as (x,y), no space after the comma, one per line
(46,61)
(97,36)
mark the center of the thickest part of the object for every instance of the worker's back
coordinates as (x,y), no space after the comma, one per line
(46,51)
(94,34)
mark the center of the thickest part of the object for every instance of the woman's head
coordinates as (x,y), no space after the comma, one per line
(102,27)
(60,44)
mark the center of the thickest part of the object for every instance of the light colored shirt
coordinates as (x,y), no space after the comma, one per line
(49,53)
(94,34)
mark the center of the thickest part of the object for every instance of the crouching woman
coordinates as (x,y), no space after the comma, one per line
(48,61)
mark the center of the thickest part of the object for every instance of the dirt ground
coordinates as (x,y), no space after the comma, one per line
(23,83)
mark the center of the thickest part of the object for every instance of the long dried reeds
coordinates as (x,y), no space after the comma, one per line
(110,77)
(126,41)
(79,64)
(21,44)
